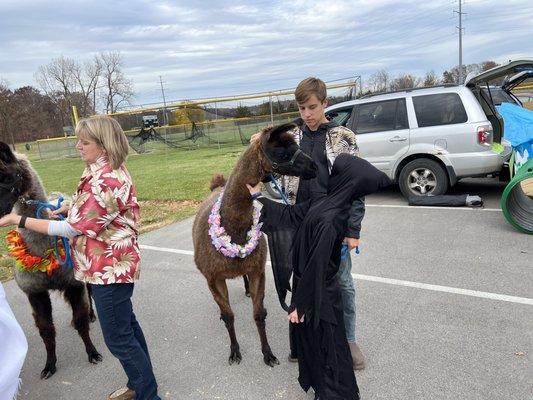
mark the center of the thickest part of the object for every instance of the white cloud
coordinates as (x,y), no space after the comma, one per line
(205,48)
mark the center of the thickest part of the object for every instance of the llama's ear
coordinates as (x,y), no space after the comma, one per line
(6,155)
(277,134)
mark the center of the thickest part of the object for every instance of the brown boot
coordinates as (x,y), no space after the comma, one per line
(122,394)
(357,357)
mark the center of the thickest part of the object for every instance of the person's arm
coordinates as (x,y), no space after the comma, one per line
(353,232)
(34,224)
(44,226)
(278,215)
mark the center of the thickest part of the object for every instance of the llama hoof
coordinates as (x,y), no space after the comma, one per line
(270,360)
(235,357)
(48,371)
(95,357)
(92,317)
(247,294)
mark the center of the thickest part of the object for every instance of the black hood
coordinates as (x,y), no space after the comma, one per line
(352,177)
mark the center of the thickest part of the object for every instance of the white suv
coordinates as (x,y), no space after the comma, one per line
(427,138)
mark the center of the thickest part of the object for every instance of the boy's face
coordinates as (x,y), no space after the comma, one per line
(312,112)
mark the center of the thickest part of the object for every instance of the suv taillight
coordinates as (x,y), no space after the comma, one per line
(484,135)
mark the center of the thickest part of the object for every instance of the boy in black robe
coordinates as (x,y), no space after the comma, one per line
(324,358)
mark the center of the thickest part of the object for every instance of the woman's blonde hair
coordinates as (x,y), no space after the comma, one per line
(107,133)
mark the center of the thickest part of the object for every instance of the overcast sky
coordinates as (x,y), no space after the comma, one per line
(216,48)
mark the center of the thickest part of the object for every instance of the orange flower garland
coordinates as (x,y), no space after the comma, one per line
(27,262)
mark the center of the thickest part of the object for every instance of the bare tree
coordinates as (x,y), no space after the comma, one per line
(379,82)
(452,75)
(405,81)
(431,79)
(117,89)
(69,83)
(87,77)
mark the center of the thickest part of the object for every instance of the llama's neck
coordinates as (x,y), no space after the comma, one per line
(236,207)
(37,243)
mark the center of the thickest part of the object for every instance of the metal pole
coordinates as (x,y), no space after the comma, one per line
(460,79)
(271,110)
(216,124)
(165,119)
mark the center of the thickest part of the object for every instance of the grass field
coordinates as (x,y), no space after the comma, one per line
(170,184)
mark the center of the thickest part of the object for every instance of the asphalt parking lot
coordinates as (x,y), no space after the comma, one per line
(444,302)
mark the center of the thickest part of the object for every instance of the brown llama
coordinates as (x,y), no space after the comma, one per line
(19,183)
(276,151)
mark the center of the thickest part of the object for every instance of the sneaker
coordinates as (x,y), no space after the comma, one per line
(357,357)
(122,394)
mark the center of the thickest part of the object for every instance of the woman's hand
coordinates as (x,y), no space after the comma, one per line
(63,210)
(293,317)
(9,219)
(254,189)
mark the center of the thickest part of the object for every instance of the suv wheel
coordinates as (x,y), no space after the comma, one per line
(423,177)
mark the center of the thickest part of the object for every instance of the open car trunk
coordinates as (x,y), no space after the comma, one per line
(514,73)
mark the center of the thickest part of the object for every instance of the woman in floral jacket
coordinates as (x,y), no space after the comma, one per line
(102,223)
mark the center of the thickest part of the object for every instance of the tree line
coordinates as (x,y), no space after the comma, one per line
(29,113)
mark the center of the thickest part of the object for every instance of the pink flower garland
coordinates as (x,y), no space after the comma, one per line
(222,241)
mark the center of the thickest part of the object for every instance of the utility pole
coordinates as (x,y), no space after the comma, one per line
(460,27)
(165,118)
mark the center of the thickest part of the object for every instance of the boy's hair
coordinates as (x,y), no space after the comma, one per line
(308,87)
(107,133)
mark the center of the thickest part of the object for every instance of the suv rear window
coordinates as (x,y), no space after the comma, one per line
(381,116)
(498,96)
(439,109)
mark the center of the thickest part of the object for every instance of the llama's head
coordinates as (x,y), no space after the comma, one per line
(283,155)
(15,179)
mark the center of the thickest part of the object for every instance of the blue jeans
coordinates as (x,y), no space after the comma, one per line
(344,277)
(124,337)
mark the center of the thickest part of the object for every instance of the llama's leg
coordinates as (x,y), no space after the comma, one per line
(219,290)
(42,314)
(76,296)
(246,285)
(257,291)
(92,315)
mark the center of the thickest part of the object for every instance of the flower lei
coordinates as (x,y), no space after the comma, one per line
(28,262)
(222,241)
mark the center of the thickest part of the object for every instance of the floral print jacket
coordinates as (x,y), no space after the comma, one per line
(105,210)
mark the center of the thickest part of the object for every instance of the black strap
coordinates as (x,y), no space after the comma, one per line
(22,222)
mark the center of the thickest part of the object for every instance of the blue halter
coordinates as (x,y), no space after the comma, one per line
(41,206)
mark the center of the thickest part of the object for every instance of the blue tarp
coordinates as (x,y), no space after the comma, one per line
(518,123)
(518,129)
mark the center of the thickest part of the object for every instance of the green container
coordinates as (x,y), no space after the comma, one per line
(517,207)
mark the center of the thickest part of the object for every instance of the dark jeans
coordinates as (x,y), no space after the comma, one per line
(124,337)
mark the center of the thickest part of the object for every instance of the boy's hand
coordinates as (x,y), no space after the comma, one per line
(254,189)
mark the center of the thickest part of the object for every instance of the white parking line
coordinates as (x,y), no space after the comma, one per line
(433,207)
(396,282)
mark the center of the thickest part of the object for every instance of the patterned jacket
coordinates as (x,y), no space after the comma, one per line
(105,210)
(339,139)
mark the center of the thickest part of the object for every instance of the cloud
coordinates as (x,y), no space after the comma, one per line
(207,48)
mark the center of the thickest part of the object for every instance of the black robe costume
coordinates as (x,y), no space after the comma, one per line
(324,358)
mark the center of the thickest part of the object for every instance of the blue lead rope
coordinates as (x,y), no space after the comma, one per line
(41,206)
(279,189)
(345,253)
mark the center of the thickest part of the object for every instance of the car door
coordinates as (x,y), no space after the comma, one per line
(382,131)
